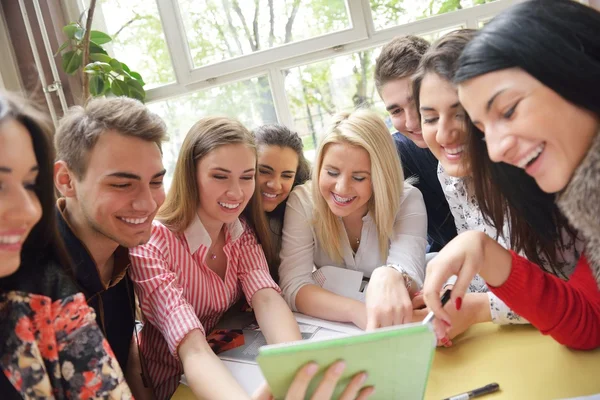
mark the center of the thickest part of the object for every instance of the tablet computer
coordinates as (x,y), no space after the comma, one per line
(397,360)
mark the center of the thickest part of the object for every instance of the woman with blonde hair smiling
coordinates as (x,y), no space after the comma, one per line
(357,214)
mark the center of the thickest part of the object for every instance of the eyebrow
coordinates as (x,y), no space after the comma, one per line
(128,175)
(491,100)
(354,172)
(265,166)
(7,170)
(426,108)
(228,171)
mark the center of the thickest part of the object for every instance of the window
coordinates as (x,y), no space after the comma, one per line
(138,38)
(389,13)
(250,101)
(218,30)
(317,91)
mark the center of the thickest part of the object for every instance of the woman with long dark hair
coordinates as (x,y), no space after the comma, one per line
(281,167)
(51,345)
(530,82)
(535,230)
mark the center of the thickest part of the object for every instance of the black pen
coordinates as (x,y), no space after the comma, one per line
(482,391)
(444,300)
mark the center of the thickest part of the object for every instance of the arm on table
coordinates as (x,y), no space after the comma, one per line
(317,302)
(197,358)
(274,317)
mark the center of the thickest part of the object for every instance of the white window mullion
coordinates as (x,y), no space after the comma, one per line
(280,101)
(176,39)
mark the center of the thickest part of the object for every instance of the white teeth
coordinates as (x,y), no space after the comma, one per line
(342,199)
(229,205)
(455,150)
(532,155)
(10,239)
(269,195)
(135,221)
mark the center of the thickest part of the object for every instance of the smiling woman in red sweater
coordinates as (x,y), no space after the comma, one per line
(531,82)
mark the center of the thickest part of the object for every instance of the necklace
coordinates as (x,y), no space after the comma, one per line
(213,256)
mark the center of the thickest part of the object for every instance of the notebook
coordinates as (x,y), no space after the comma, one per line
(398,360)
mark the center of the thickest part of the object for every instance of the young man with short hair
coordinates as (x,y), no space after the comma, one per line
(396,64)
(110,173)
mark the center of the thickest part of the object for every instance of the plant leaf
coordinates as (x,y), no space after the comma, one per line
(70,30)
(71,61)
(99,66)
(120,88)
(79,34)
(97,85)
(137,77)
(125,68)
(100,57)
(95,48)
(62,47)
(99,37)
(136,90)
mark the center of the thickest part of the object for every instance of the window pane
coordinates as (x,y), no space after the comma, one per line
(218,30)
(138,39)
(388,13)
(319,90)
(249,101)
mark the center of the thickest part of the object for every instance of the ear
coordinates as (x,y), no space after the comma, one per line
(64,179)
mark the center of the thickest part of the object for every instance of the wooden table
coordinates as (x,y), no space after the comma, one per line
(526,364)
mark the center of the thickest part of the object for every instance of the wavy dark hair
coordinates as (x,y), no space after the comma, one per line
(282,136)
(557,42)
(43,246)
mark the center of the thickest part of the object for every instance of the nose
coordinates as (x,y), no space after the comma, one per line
(274,184)
(448,131)
(413,123)
(341,185)
(144,201)
(235,190)
(501,146)
(24,207)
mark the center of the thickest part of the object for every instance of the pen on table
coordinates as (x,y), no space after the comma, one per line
(444,300)
(482,391)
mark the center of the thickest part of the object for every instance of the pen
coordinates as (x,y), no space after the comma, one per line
(444,300)
(482,391)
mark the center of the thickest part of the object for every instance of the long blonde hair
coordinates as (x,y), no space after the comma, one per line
(182,202)
(362,128)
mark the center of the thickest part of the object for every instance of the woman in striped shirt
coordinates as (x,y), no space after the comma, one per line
(202,256)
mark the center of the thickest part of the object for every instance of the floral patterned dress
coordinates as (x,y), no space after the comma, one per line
(54,349)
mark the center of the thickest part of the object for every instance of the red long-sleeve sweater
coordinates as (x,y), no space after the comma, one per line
(568,311)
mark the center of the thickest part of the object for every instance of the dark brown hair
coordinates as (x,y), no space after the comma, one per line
(536,224)
(44,245)
(399,59)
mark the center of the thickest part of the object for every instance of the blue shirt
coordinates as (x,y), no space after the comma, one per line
(422,164)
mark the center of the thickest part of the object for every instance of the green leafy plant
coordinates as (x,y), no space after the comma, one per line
(106,74)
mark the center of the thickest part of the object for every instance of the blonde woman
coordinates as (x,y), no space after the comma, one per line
(205,252)
(358,214)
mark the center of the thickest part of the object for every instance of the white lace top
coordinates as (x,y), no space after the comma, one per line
(468,217)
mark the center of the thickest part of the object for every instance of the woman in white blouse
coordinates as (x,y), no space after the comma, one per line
(445,130)
(357,213)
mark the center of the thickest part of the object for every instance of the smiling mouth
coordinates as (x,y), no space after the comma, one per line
(270,195)
(343,201)
(10,239)
(229,206)
(133,221)
(454,152)
(532,156)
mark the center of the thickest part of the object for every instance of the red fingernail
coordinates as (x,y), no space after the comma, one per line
(458,303)
(419,293)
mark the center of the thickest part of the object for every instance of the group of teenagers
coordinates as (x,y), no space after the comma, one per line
(491,186)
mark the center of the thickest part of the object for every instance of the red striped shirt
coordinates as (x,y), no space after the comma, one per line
(178,292)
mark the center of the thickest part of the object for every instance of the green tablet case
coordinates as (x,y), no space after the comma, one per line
(397,360)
